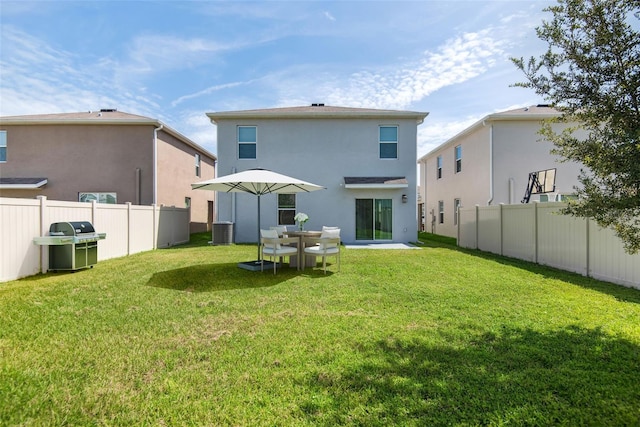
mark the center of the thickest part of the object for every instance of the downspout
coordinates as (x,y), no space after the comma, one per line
(155,163)
(423,214)
(490,162)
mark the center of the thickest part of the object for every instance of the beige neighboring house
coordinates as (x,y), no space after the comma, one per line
(108,156)
(488,164)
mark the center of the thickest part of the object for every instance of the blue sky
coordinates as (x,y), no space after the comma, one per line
(177,60)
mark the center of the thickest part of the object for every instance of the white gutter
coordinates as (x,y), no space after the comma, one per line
(155,163)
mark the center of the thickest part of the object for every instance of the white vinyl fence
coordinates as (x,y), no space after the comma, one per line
(129,228)
(537,232)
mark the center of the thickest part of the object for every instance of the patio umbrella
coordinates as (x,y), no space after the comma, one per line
(259,182)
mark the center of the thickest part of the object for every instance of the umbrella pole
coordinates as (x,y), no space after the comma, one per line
(258,227)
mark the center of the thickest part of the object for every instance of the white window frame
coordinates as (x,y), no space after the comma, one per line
(254,143)
(439,167)
(3,145)
(381,142)
(458,158)
(198,164)
(440,211)
(287,208)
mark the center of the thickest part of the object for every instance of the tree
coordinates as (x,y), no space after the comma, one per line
(591,74)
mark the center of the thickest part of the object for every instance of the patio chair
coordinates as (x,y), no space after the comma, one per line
(281,229)
(328,244)
(271,245)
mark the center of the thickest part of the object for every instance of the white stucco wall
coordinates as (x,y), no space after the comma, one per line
(322,151)
(497,157)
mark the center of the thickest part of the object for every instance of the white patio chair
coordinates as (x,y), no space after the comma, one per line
(272,246)
(328,244)
(281,229)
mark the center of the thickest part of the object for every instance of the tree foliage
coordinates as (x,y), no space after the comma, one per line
(591,74)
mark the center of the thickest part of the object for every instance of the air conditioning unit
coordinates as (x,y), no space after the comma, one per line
(222,233)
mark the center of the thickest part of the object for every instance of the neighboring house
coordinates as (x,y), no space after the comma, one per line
(488,164)
(108,156)
(365,158)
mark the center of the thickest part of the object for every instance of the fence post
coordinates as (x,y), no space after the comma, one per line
(458,229)
(94,208)
(43,207)
(535,231)
(588,245)
(155,226)
(477,226)
(128,204)
(501,213)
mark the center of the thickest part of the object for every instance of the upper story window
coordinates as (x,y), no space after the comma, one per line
(458,150)
(439,167)
(3,145)
(247,142)
(388,136)
(197,164)
(286,209)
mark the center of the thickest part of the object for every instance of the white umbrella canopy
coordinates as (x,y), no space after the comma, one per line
(259,182)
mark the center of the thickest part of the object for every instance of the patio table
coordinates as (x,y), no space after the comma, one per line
(309,260)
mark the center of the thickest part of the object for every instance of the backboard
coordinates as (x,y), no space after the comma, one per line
(540,182)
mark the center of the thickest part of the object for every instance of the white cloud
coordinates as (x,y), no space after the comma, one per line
(208,91)
(329,16)
(456,61)
(433,133)
(149,53)
(197,127)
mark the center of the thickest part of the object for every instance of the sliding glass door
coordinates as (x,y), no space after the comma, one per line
(374,219)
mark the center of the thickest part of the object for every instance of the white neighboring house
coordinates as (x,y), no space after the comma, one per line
(487,164)
(365,158)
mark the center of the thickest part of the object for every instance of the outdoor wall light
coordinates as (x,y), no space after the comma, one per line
(404,198)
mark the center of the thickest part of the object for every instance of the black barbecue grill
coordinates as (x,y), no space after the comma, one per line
(72,245)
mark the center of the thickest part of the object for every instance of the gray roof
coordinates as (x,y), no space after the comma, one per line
(375,180)
(22,183)
(87,117)
(316,111)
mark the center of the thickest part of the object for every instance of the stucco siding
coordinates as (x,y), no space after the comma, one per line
(81,158)
(177,166)
(498,153)
(470,185)
(321,151)
(519,150)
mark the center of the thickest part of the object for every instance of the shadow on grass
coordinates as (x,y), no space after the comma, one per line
(620,292)
(218,277)
(573,376)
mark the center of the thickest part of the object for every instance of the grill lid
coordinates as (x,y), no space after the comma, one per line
(73,228)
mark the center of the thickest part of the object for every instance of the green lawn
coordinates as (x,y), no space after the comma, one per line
(436,336)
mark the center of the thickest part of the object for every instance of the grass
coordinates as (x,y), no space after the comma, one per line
(436,336)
